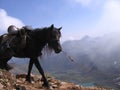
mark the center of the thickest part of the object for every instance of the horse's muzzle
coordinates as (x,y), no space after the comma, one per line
(58,50)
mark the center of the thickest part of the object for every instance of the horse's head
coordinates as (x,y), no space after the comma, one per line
(54,38)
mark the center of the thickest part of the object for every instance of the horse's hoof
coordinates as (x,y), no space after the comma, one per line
(46,85)
(28,79)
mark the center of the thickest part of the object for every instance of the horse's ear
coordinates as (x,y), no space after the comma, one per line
(52,26)
(60,28)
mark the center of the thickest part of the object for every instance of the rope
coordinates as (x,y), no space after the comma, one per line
(69,57)
(75,61)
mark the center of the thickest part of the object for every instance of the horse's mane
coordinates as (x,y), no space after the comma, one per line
(47,49)
(40,29)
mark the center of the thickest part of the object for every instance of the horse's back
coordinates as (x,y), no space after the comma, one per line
(1,37)
(4,38)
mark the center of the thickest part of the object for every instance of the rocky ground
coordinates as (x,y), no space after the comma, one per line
(9,81)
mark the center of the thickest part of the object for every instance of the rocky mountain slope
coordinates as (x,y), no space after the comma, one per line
(9,81)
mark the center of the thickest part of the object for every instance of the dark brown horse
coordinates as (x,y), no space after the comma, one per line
(36,40)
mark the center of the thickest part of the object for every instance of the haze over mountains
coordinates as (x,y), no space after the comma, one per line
(97,60)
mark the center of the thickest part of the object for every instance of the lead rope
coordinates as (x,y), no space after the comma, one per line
(68,56)
(75,61)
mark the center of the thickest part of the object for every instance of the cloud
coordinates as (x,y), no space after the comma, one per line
(110,18)
(107,20)
(6,20)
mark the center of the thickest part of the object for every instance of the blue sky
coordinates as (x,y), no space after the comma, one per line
(77,17)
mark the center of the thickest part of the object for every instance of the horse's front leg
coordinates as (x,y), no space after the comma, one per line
(28,77)
(37,64)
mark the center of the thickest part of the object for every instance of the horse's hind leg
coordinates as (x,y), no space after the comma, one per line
(4,64)
(37,64)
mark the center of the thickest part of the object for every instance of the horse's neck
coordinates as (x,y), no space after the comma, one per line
(40,37)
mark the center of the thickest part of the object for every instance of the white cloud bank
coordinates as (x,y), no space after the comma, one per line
(6,20)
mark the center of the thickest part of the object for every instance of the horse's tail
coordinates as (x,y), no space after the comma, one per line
(4,64)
